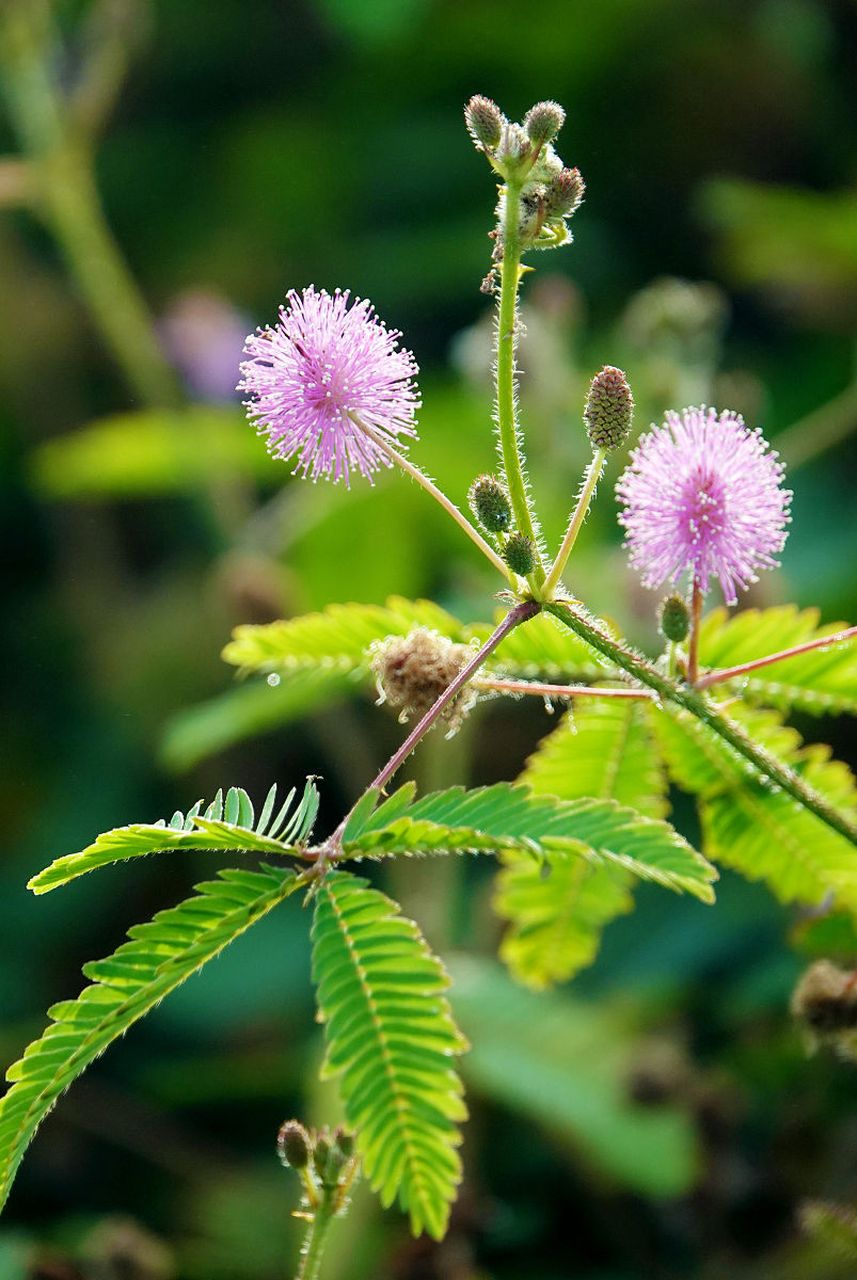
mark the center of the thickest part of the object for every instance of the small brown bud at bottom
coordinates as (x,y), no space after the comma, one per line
(484,121)
(294,1145)
(609,409)
(825,999)
(412,672)
(544,121)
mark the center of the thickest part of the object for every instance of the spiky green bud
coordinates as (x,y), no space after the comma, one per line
(484,121)
(489,503)
(519,554)
(609,409)
(564,194)
(294,1145)
(674,619)
(543,122)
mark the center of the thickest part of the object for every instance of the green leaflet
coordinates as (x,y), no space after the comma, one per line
(391,1040)
(336,639)
(125,986)
(223,825)
(756,828)
(509,817)
(823,680)
(602,749)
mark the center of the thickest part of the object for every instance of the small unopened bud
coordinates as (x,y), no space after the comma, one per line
(489,502)
(484,121)
(514,149)
(294,1145)
(345,1142)
(321,1155)
(609,409)
(825,999)
(565,193)
(674,619)
(543,122)
(519,554)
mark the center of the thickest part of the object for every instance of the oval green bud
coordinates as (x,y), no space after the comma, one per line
(489,503)
(294,1145)
(519,554)
(345,1142)
(674,619)
(484,121)
(543,122)
(609,409)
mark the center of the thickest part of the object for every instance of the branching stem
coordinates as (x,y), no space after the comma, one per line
(698,705)
(315,1239)
(820,642)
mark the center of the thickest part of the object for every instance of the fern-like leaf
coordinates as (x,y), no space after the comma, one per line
(391,1040)
(338,639)
(754,827)
(604,750)
(125,986)
(511,818)
(225,824)
(823,680)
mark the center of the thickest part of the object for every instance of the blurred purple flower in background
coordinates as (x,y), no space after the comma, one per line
(703,493)
(329,385)
(203,336)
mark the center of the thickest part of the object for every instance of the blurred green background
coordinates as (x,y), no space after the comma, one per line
(659,1117)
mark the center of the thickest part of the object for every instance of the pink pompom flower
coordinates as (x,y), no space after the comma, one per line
(329,386)
(703,494)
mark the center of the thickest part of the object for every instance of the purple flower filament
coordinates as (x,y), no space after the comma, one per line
(329,385)
(703,494)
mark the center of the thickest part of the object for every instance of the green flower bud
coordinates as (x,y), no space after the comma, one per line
(564,193)
(519,554)
(674,619)
(489,502)
(321,1155)
(484,121)
(544,121)
(609,409)
(294,1145)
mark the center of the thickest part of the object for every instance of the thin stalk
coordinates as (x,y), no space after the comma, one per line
(518,614)
(697,704)
(693,642)
(448,505)
(559,690)
(315,1239)
(581,510)
(507,423)
(820,642)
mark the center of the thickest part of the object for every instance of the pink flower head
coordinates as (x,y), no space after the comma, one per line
(703,493)
(324,379)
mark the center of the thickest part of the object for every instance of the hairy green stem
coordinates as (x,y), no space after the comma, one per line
(507,340)
(581,510)
(315,1239)
(538,689)
(698,705)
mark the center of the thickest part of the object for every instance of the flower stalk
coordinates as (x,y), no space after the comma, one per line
(744,668)
(578,515)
